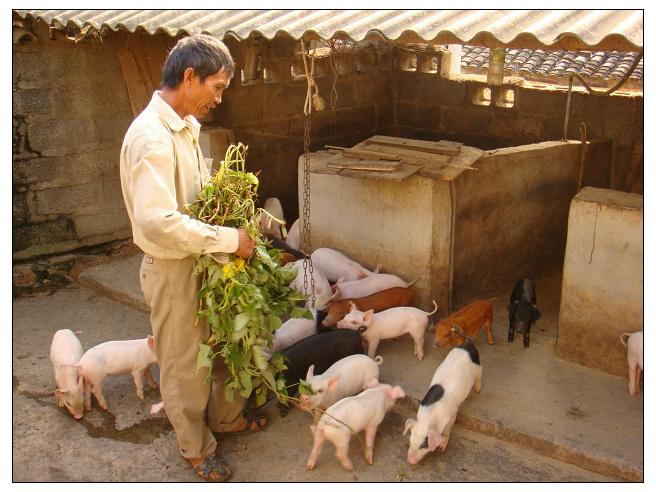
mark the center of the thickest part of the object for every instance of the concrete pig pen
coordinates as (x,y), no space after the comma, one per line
(463,238)
(602,291)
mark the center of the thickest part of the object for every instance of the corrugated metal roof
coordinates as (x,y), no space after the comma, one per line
(604,30)
(600,64)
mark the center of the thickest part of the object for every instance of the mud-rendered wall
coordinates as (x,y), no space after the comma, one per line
(511,216)
(602,292)
(70,110)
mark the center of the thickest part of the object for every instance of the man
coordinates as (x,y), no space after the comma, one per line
(162,169)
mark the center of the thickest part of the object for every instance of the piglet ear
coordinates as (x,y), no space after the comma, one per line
(336,293)
(332,382)
(80,381)
(435,439)
(151,342)
(378,267)
(352,306)
(60,392)
(310,372)
(368,317)
(396,392)
(409,424)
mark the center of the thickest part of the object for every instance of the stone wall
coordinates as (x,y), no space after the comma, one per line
(70,111)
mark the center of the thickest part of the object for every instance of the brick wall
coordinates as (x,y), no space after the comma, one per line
(70,110)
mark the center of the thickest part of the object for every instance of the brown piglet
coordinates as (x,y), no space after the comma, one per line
(380,301)
(467,321)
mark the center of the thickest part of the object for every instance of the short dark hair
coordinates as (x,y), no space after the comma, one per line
(205,54)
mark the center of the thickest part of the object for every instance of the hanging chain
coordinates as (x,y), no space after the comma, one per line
(305,227)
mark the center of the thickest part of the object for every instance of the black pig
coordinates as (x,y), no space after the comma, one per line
(322,350)
(522,310)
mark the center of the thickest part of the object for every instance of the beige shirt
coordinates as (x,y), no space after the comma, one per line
(162,169)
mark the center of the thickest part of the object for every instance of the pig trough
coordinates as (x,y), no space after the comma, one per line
(464,233)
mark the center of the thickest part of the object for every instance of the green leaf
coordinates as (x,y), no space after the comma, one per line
(281,384)
(259,357)
(268,376)
(260,398)
(304,388)
(301,312)
(261,277)
(236,357)
(288,273)
(246,385)
(241,320)
(273,322)
(204,358)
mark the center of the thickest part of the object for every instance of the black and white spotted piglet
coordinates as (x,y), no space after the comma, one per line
(451,384)
(522,310)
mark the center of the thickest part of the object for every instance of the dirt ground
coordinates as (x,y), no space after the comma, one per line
(126,444)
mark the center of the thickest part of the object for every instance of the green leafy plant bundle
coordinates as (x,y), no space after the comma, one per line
(243,301)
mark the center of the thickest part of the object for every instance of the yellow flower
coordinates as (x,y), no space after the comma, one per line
(228,270)
(239,264)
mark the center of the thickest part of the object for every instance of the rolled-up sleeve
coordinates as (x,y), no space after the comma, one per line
(152,182)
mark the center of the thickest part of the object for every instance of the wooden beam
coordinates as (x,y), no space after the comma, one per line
(135,72)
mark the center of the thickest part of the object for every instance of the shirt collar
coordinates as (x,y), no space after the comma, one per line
(171,118)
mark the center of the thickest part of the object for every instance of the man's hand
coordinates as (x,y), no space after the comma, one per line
(246,244)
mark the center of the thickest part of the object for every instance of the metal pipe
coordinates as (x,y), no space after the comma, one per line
(569,103)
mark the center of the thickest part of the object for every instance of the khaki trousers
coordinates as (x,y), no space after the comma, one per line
(170,289)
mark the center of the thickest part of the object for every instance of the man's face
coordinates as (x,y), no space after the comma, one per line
(204,96)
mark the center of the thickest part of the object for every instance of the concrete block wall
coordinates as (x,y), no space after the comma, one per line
(602,292)
(268,116)
(431,107)
(70,110)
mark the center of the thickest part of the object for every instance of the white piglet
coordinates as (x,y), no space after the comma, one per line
(350,416)
(390,323)
(322,290)
(634,359)
(354,289)
(294,237)
(293,330)
(346,377)
(113,359)
(451,384)
(270,226)
(336,265)
(65,353)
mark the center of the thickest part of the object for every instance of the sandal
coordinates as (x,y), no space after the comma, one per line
(213,469)
(250,423)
